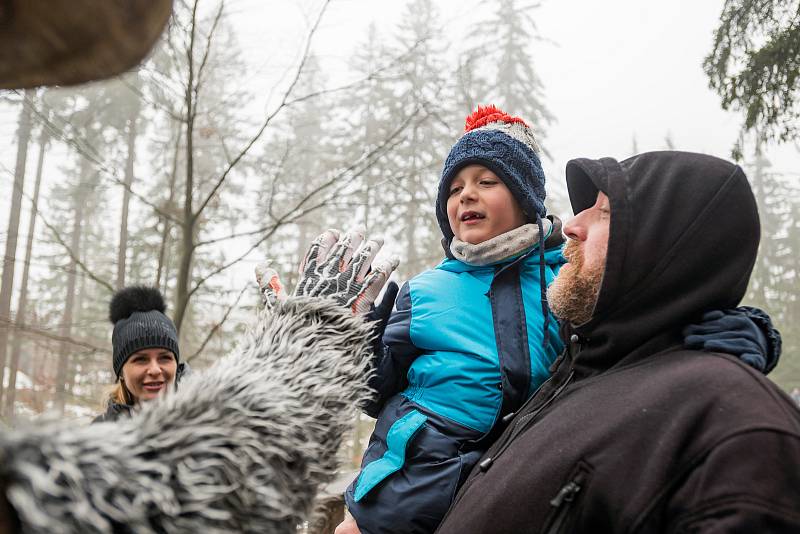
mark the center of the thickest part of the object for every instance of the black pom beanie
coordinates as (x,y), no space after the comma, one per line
(139,323)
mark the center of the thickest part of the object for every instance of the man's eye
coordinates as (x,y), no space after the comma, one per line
(454,191)
(488,182)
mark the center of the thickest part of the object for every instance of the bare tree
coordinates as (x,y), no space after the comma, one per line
(9,262)
(22,306)
(130,158)
(79,214)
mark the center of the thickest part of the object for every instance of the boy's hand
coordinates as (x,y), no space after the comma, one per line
(336,267)
(270,285)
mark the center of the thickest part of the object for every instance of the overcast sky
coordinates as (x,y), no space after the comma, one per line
(612,70)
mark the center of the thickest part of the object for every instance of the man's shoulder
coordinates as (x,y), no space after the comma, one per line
(722,384)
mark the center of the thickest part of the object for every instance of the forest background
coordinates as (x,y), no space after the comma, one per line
(256,124)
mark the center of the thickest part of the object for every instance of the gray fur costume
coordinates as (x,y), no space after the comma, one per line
(240,447)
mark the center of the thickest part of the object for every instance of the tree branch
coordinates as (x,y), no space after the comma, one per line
(271,116)
(61,135)
(371,76)
(234,236)
(207,51)
(293,215)
(74,258)
(22,327)
(219,324)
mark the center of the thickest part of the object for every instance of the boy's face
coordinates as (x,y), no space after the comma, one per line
(480,206)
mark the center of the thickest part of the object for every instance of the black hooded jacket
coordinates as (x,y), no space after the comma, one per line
(633,433)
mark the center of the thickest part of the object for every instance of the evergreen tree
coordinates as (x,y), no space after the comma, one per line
(754,65)
(502,65)
(776,276)
(422,94)
(374,127)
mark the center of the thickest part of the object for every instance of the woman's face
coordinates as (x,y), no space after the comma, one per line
(148,373)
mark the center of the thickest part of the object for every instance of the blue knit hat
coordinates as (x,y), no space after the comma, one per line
(506,146)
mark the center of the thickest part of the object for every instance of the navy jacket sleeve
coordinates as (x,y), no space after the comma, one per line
(394,356)
(744,332)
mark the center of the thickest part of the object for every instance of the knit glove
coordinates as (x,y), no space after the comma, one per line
(337,267)
(743,332)
(381,312)
(379,316)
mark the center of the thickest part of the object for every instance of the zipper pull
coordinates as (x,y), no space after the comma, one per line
(576,343)
(567,493)
(486,464)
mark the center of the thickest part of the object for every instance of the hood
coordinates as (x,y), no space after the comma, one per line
(683,239)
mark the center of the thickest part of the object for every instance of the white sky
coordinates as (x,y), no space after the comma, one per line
(612,70)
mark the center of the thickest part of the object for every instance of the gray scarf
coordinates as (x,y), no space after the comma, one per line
(499,247)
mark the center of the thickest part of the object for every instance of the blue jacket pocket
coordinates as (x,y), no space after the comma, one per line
(397,439)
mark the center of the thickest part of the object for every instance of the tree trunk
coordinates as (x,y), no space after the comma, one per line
(163,260)
(412,217)
(760,279)
(23,137)
(69,300)
(22,307)
(126,200)
(187,243)
(187,224)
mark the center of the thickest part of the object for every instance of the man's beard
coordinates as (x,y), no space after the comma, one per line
(573,294)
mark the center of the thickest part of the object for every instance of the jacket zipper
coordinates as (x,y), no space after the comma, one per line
(487,463)
(576,347)
(563,502)
(525,420)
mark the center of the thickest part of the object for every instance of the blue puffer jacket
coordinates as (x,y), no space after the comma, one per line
(464,348)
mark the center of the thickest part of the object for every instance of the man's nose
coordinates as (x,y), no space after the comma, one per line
(573,229)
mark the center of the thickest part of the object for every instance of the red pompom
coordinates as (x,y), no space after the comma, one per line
(488,114)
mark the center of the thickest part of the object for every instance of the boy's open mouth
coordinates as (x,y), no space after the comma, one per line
(471,216)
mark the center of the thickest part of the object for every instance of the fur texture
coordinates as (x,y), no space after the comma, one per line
(240,447)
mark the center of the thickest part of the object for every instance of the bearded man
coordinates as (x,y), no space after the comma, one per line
(633,432)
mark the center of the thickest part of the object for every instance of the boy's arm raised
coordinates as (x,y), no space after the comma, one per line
(393,355)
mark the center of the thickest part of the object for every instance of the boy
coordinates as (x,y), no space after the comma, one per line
(471,339)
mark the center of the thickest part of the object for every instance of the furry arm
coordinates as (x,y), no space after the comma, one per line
(242,446)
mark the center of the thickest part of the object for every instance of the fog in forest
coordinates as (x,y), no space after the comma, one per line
(255,125)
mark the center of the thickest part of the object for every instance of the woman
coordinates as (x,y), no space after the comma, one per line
(145,346)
